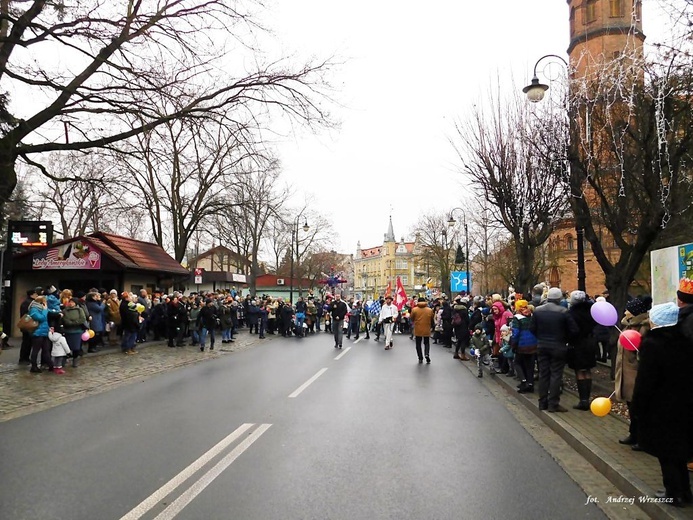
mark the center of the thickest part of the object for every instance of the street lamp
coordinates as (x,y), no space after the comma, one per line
(294,233)
(535,93)
(451,223)
(445,275)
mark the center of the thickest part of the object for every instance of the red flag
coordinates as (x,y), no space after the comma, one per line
(400,295)
(388,289)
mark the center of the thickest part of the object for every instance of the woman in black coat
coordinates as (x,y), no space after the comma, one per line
(582,357)
(663,401)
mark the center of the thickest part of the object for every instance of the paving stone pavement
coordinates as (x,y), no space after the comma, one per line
(23,393)
(637,475)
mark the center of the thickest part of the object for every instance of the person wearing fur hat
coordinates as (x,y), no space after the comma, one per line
(422,323)
(553,326)
(583,356)
(662,401)
(626,366)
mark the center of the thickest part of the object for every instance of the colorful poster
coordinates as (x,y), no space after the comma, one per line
(75,255)
(667,267)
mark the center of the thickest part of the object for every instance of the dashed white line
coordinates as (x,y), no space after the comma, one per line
(343,352)
(176,481)
(307,383)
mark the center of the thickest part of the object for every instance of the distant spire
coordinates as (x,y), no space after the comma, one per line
(390,235)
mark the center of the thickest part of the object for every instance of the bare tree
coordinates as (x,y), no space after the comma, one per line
(254,200)
(182,170)
(121,55)
(630,156)
(516,175)
(434,250)
(84,203)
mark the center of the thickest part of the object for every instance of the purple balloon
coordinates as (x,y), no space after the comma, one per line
(604,313)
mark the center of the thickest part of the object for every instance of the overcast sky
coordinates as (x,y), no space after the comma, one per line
(412,69)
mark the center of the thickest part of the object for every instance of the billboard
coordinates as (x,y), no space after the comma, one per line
(25,234)
(74,255)
(667,267)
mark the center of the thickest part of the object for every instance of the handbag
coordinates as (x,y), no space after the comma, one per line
(27,324)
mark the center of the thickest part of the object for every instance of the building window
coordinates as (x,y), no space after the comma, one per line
(569,243)
(638,10)
(616,8)
(572,20)
(401,264)
(405,279)
(590,11)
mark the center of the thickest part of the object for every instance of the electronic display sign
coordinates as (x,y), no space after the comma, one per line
(27,234)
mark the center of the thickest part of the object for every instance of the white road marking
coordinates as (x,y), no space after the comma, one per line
(355,342)
(176,481)
(205,480)
(307,383)
(344,352)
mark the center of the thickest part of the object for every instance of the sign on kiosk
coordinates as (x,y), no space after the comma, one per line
(75,255)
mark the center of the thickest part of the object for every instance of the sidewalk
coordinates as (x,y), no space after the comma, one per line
(22,392)
(636,474)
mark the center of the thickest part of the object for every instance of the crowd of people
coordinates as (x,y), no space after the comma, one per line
(530,339)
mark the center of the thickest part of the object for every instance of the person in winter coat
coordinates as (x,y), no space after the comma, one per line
(354,320)
(59,351)
(635,318)
(74,324)
(130,321)
(663,401)
(96,310)
(38,310)
(176,316)
(301,309)
(193,325)
(422,323)
(337,309)
(253,314)
(53,305)
(524,342)
(482,351)
(388,317)
(286,314)
(25,348)
(582,357)
(553,326)
(501,316)
(113,316)
(446,321)
(207,323)
(460,327)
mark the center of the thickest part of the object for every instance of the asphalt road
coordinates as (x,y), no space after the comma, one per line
(287,431)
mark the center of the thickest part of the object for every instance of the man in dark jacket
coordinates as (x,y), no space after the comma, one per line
(338,310)
(207,323)
(446,318)
(552,325)
(460,326)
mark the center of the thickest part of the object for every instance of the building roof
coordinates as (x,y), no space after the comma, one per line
(371,252)
(144,255)
(390,235)
(220,249)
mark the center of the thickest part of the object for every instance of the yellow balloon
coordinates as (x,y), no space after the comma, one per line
(140,307)
(601,406)
(91,333)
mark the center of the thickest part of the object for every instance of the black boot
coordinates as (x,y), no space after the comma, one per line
(584,389)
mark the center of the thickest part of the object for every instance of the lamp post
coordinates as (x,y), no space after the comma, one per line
(535,93)
(451,223)
(294,233)
(445,275)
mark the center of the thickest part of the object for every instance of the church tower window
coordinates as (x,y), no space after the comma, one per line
(590,11)
(616,8)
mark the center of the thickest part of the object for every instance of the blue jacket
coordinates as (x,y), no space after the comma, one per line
(523,338)
(96,311)
(40,314)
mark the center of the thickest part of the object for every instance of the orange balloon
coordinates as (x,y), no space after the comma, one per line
(91,333)
(601,406)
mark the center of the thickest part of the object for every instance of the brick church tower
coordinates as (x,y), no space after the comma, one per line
(606,44)
(603,33)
